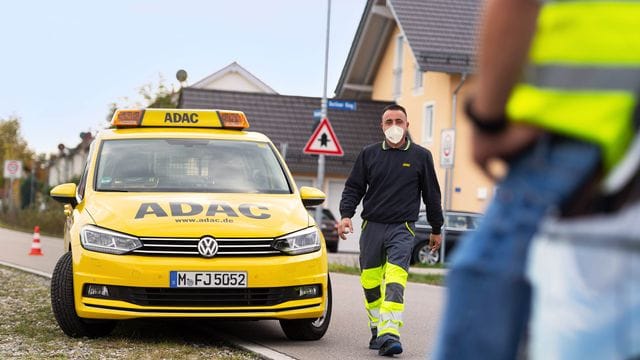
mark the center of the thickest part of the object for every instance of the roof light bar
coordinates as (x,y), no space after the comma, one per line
(233,119)
(127,118)
(178,118)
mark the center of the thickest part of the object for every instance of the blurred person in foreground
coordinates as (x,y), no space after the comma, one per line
(556,89)
(392,176)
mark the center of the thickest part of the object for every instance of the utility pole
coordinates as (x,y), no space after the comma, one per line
(448,182)
(32,185)
(323,110)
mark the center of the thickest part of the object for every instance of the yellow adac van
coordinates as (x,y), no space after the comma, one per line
(183,213)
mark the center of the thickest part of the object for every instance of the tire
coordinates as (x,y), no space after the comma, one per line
(422,255)
(63,305)
(309,329)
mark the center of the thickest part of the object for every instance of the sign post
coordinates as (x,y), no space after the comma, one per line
(447,159)
(323,110)
(12,170)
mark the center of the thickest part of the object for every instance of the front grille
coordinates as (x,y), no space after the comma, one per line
(246,297)
(189,247)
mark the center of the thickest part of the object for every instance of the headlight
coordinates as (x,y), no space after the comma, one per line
(106,241)
(299,242)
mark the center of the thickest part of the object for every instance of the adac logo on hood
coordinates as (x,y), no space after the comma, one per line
(253,211)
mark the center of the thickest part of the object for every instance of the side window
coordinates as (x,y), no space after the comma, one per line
(82,185)
(417,78)
(457,222)
(83,182)
(473,222)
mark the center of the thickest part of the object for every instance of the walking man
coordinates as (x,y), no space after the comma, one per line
(556,88)
(392,176)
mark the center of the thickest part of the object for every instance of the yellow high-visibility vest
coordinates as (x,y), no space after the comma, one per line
(583,76)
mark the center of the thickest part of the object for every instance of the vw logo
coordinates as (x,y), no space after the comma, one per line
(207,246)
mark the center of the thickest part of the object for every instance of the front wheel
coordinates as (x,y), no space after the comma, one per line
(63,304)
(310,329)
(422,255)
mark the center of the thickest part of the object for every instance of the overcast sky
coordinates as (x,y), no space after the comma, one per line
(63,62)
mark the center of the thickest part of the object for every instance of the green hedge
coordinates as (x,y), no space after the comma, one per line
(51,220)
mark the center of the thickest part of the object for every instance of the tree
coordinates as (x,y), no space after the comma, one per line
(12,145)
(153,95)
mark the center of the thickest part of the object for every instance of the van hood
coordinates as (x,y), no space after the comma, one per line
(198,214)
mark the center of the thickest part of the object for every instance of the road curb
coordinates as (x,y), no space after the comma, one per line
(26,269)
(265,352)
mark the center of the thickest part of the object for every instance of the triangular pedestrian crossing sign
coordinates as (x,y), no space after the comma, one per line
(323,141)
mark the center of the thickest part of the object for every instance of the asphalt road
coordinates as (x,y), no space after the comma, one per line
(348,334)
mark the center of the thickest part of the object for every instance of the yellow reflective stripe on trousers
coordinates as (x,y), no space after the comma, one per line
(588,32)
(373,312)
(586,115)
(395,274)
(370,278)
(391,312)
(409,228)
(390,318)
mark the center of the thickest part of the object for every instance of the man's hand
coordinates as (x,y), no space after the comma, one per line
(505,145)
(434,242)
(345,227)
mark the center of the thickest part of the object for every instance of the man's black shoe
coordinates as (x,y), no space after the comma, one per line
(390,347)
(374,344)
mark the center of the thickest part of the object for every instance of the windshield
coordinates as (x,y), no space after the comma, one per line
(189,165)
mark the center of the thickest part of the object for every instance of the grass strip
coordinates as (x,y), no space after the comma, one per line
(431,279)
(29,331)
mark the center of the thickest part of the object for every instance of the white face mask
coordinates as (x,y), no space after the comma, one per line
(394,134)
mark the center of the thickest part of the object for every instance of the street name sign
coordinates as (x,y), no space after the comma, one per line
(342,105)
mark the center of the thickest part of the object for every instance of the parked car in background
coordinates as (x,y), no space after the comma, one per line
(457,224)
(329,228)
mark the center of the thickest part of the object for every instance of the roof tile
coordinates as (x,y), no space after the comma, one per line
(289,119)
(441,33)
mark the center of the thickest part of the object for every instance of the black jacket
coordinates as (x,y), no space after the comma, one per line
(391,182)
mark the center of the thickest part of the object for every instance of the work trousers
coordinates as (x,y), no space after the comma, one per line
(385,254)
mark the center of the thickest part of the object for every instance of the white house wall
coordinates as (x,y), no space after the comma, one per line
(65,169)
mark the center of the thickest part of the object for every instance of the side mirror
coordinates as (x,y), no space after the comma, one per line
(311,197)
(65,193)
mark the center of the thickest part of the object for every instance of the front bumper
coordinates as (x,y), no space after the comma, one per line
(140,286)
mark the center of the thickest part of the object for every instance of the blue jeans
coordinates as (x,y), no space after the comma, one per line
(488,301)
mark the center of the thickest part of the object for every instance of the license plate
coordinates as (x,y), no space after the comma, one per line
(207,279)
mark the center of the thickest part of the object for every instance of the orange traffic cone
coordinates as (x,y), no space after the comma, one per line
(35,245)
